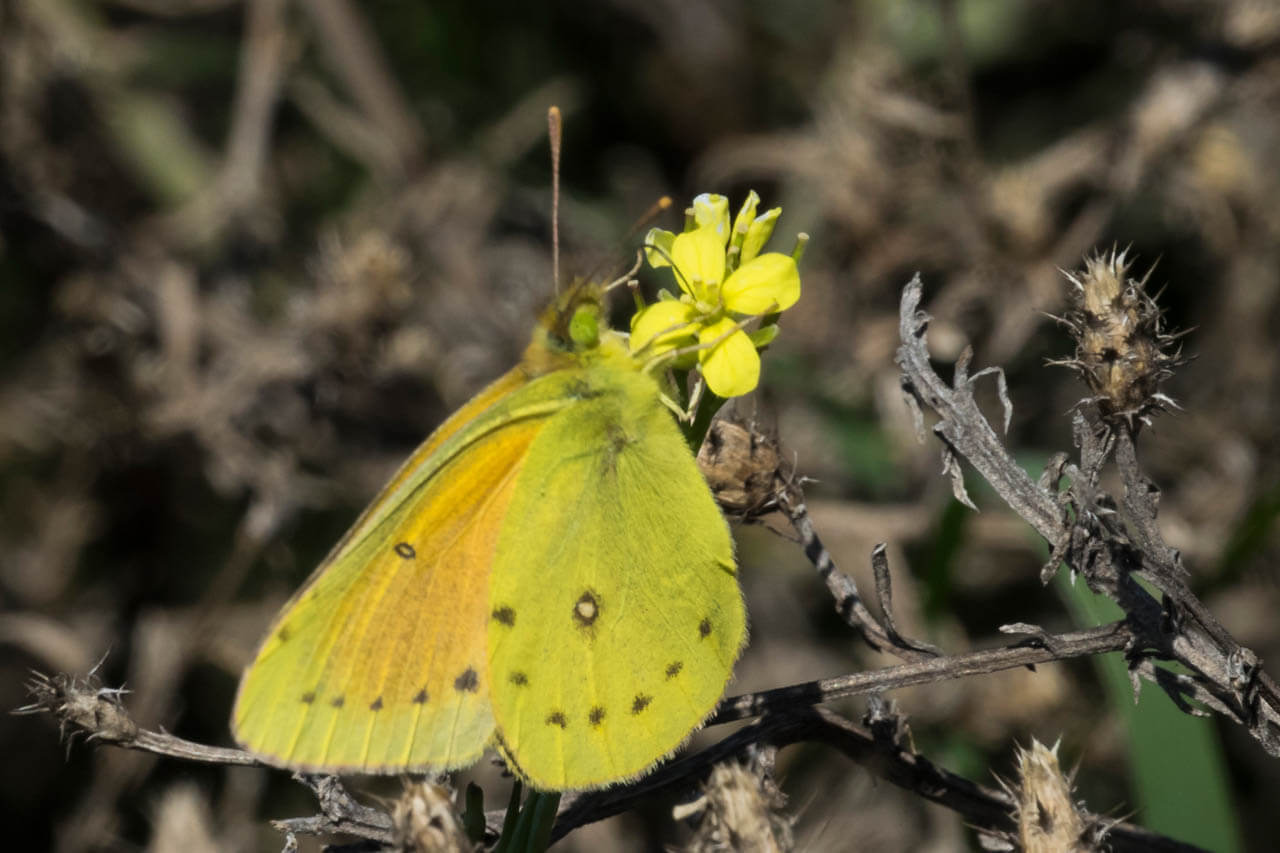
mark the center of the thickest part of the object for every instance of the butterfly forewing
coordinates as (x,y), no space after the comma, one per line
(378,663)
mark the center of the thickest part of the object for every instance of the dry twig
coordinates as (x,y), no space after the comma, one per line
(1084,532)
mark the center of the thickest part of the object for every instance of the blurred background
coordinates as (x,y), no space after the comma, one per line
(252,251)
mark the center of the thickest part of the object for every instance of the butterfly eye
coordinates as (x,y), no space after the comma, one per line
(584,327)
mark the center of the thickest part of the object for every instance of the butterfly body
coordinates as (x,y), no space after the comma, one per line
(548,573)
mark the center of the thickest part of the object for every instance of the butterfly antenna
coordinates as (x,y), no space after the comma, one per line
(554,125)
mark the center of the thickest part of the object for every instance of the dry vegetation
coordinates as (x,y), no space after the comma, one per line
(251,252)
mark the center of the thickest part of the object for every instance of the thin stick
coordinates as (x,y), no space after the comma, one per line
(655,210)
(554,131)
(82,705)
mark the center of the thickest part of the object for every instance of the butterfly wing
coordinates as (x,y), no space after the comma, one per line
(616,612)
(378,663)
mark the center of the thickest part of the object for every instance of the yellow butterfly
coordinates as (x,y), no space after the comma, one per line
(547,574)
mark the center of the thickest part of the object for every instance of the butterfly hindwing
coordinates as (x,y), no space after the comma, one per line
(617,615)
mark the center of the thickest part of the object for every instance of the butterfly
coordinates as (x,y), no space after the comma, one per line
(548,574)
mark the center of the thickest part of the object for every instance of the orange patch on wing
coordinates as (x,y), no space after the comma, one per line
(379,663)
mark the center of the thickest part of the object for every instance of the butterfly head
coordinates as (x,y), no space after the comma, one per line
(574,329)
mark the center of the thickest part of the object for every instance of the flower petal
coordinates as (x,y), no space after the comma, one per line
(746,215)
(660,255)
(699,260)
(758,233)
(731,367)
(712,209)
(662,326)
(767,284)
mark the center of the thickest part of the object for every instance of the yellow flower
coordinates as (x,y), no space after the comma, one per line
(665,325)
(731,366)
(725,281)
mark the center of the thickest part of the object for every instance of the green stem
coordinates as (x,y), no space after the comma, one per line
(696,431)
(527,829)
(473,817)
(509,823)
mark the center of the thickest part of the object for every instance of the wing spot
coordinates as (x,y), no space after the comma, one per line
(376,705)
(504,615)
(420,698)
(519,679)
(640,703)
(309,697)
(405,550)
(339,701)
(557,718)
(586,609)
(704,628)
(673,668)
(284,634)
(467,682)
(596,717)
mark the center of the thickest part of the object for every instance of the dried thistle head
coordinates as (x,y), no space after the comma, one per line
(1048,819)
(1047,816)
(424,819)
(740,809)
(743,467)
(82,706)
(1122,352)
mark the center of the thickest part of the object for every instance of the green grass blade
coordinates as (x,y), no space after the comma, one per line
(1178,772)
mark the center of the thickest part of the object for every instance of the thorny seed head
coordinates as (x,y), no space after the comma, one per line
(424,819)
(743,467)
(1122,352)
(82,706)
(740,809)
(1047,816)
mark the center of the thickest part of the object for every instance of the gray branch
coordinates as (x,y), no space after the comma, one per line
(1105,541)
